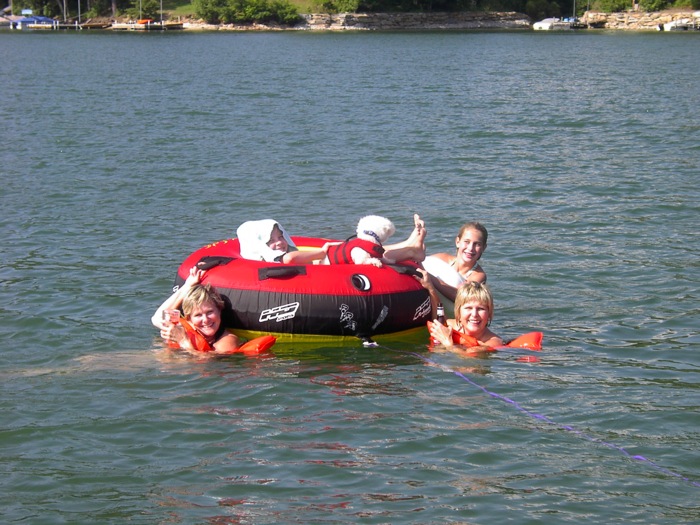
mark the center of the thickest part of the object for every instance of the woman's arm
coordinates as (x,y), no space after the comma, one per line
(491,340)
(426,282)
(450,292)
(227,344)
(175,300)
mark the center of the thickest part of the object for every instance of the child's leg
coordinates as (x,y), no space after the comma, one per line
(412,249)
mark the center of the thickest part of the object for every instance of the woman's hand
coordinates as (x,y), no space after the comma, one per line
(175,300)
(441,333)
(173,333)
(195,277)
(424,279)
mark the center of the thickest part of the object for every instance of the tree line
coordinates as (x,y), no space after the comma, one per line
(285,13)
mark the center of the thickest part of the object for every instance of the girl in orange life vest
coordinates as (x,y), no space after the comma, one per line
(201,330)
(473,314)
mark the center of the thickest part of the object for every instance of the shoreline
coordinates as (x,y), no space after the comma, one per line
(443,21)
(638,20)
(384,22)
(432,21)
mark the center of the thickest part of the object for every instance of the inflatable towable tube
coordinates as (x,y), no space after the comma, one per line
(528,341)
(311,302)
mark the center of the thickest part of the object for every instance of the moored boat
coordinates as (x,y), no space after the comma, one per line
(683,24)
(147,24)
(552,24)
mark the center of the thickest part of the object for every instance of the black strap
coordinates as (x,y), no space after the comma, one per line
(210,261)
(406,270)
(277,272)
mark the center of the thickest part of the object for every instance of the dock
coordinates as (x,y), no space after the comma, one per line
(147,25)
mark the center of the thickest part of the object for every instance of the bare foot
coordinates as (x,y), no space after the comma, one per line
(418,234)
(413,248)
(417,239)
(420,226)
(415,244)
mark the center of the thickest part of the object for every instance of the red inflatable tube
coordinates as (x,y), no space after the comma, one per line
(342,300)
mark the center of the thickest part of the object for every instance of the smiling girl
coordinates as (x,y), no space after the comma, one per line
(448,270)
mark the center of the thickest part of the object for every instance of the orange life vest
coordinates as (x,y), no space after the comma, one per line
(253,347)
(197,340)
(529,341)
(459,338)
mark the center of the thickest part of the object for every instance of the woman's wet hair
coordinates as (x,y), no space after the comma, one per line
(471,291)
(200,294)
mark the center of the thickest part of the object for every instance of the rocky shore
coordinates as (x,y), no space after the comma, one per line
(388,22)
(415,21)
(631,20)
(635,20)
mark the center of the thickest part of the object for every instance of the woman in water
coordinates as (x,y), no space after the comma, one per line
(473,315)
(201,306)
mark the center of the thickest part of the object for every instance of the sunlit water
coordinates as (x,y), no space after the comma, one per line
(123,153)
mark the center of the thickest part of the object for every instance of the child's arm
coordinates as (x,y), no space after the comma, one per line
(307,257)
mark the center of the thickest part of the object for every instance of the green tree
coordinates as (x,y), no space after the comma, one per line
(285,12)
(209,10)
(539,9)
(144,9)
(653,5)
(611,6)
(336,6)
(98,8)
(246,11)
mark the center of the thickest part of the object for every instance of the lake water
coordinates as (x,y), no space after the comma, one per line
(123,153)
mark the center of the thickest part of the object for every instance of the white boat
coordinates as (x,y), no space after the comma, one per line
(552,24)
(147,24)
(676,25)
